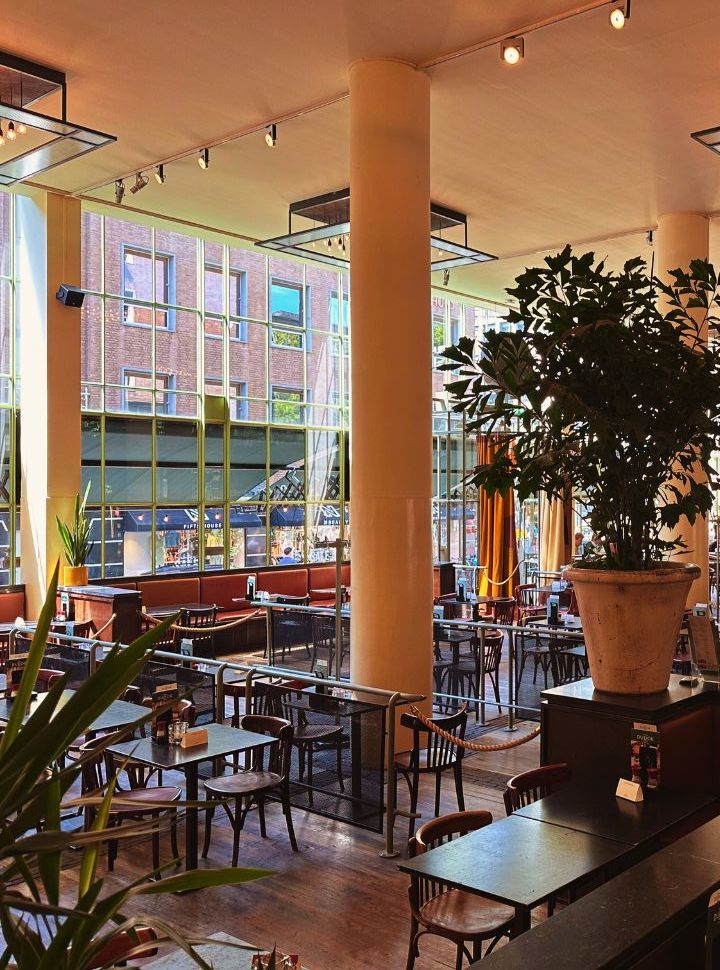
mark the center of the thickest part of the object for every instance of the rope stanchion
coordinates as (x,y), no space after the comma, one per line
(200,630)
(98,633)
(471,745)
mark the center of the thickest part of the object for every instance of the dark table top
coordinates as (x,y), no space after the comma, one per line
(517,861)
(640,707)
(602,928)
(222,740)
(163,611)
(117,714)
(360,702)
(596,811)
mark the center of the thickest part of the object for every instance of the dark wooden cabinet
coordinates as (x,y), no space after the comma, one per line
(100,603)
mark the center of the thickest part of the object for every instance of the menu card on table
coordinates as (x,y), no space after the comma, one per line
(161,697)
(14,667)
(645,755)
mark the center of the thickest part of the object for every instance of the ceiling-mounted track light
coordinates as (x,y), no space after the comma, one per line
(204,158)
(619,14)
(11,133)
(2,136)
(160,174)
(512,50)
(140,182)
(119,191)
(271,136)
(21,128)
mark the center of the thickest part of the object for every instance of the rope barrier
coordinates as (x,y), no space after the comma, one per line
(471,745)
(200,630)
(96,635)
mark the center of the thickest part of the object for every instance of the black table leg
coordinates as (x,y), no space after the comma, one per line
(522,920)
(355,757)
(191,817)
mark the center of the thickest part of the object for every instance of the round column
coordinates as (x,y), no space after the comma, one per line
(391,386)
(680,238)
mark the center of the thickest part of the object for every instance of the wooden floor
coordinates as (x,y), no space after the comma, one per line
(336,903)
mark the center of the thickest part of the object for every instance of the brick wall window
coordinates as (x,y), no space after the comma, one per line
(288,310)
(287,405)
(237,300)
(138,391)
(137,284)
(238,396)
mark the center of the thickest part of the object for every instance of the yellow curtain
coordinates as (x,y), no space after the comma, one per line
(498,540)
(556,539)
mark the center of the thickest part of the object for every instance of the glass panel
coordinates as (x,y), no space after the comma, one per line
(6,325)
(287,405)
(176,454)
(323,465)
(5,232)
(323,532)
(287,534)
(91,273)
(94,562)
(248,447)
(127,349)
(176,268)
(254,265)
(214,539)
(214,463)
(138,239)
(91,324)
(176,350)
(248,361)
(323,370)
(176,540)
(287,465)
(5,546)
(248,542)
(128,460)
(128,542)
(214,294)
(91,458)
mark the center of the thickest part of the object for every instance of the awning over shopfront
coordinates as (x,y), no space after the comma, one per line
(135,520)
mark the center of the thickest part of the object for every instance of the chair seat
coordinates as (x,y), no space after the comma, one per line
(466,915)
(242,783)
(316,732)
(154,796)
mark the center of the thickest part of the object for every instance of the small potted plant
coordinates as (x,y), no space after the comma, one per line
(77,543)
(607,384)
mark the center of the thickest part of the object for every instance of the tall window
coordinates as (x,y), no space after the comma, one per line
(9,395)
(169,319)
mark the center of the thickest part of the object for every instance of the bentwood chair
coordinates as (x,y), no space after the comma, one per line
(528,787)
(323,640)
(432,754)
(138,803)
(470,672)
(466,919)
(46,679)
(529,601)
(243,788)
(202,619)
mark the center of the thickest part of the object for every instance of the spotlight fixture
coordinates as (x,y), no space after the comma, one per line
(140,182)
(160,174)
(271,136)
(619,14)
(2,136)
(119,191)
(204,158)
(512,50)
(649,237)
(11,133)
(21,128)
(446,277)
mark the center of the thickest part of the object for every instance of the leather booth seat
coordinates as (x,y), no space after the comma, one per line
(12,604)
(323,577)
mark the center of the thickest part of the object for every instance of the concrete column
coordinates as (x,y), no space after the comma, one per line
(391,403)
(48,228)
(680,238)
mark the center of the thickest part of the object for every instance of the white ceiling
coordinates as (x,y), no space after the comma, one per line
(587,139)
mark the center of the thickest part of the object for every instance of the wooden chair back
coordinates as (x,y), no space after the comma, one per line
(503,609)
(528,787)
(278,755)
(440,753)
(200,616)
(46,679)
(493,649)
(439,831)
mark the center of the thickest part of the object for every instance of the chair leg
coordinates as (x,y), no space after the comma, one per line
(412,948)
(438,783)
(236,825)
(459,957)
(173,837)
(261,815)
(476,950)
(414,785)
(457,771)
(209,812)
(288,817)
(310,750)
(339,764)
(156,845)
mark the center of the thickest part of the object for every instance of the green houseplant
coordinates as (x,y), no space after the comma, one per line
(78,545)
(609,385)
(51,923)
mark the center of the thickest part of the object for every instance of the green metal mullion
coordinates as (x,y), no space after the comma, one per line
(463,444)
(307,337)
(200,394)
(268,409)
(12,456)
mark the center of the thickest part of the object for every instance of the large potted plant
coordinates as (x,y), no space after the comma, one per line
(78,545)
(607,384)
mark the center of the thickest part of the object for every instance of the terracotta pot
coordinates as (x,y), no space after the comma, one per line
(75,576)
(631,622)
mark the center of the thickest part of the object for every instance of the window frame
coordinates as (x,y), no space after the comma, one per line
(154,305)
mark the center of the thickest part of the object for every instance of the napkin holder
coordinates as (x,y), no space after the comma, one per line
(629,790)
(194,738)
